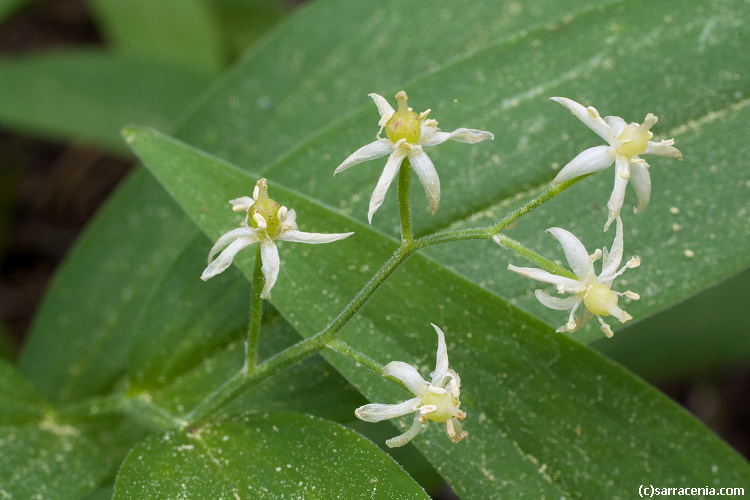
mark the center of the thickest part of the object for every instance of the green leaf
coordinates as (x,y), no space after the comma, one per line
(181,33)
(78,346)
(41,456)
(274,455)
(543,407)
(89,96)
(9,7)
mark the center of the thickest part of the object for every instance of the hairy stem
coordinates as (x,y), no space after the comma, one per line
(256,312)
(404,206)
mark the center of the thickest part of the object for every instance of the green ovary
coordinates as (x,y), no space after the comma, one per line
(404,124)
(600,300)
(269,209)
(447,406)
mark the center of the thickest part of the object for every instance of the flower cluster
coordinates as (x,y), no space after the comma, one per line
(407,134)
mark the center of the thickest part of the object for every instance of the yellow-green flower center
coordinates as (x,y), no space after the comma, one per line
(636,137)
(447,406)
(404,124)
(265,207)
(599,299)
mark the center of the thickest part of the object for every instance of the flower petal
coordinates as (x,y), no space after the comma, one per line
(640,179)
(467,135)
(590,160)
(441,363)
(427,174)
(407,374)
(611,260)
(567,284)
(385,109)
(582,319)
(302,237)
(622,175)
(617,124)
(372,151)
(271,263)
(560,304)
(224,260)
(589,116)
(389,173)
(227,238)
(416,427)
(663,148)
(454,430)
(242,201)
(378,412)
(575,253)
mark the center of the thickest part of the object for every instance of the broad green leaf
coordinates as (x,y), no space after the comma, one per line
(79,339)
(259,456)
(544,408)
(40,456)
(89,96)
(181,33)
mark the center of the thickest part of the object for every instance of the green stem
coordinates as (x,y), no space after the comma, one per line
(404,205)
(300,350)
(532,256)
(136,407)
(256,312)
(343,348)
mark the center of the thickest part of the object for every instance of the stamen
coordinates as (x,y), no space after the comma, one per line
(260,221)
(632,295)
(596,255)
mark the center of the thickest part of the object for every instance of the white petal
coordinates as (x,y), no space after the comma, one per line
(385,109)
(568,284)
(622,175)
(372,151)
(427,174)
(560,304)
(243,201)
(663,148)
(467,135)
(617,124)
(416,427)
(379,412)
(407,374)
(575,253)
(227,238)
(590,160)
(640,179)
(589,116)
(612,259)
(291,219)
(389,173)
(224,260)
(271,263)
(302,237)
(441,363)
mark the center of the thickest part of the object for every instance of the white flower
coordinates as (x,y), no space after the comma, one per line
(626,142)
(593,291)
(407,134)
(436,400)
(268,222)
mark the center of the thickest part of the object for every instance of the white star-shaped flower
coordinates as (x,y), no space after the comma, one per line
(625,143)
(594,292)
(436,400)
(267,221)
(408,133)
